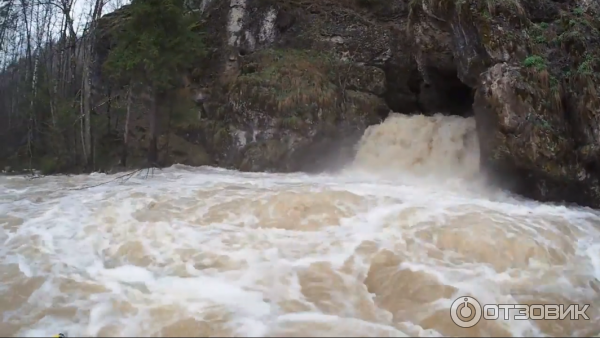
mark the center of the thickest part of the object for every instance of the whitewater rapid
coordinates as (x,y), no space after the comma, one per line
(380,249)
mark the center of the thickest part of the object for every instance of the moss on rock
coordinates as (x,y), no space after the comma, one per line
(283,100)
(285,83)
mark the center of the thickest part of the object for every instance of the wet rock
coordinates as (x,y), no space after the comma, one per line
(285,101)
(536,101)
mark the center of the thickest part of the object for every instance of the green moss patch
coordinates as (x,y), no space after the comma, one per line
(286,82)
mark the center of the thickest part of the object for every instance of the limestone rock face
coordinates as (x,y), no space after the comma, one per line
(292,84)
(534,65)
(285,102)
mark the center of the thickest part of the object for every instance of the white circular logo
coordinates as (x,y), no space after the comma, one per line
(465,311)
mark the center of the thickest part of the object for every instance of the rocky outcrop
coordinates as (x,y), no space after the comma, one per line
(534,66)
(291,84)
(282,79)
(286,106)
(293,87)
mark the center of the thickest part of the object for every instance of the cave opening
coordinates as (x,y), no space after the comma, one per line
(442,92)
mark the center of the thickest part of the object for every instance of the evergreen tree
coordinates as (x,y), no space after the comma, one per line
(156,42)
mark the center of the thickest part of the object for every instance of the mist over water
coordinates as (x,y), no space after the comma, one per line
(381,249)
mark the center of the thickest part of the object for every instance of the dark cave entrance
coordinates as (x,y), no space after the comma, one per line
(443,92)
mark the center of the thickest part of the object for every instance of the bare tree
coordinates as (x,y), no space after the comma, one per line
(54,113)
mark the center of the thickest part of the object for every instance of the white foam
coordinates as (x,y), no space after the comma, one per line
(138,256)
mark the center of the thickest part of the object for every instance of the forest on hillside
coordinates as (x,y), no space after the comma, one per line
(53,114)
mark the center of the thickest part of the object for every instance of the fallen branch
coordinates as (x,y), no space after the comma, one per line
(153,166)
(125,176)
(34,176)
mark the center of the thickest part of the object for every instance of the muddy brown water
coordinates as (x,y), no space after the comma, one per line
(381,249)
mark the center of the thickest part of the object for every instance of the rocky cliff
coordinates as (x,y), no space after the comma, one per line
(292,84)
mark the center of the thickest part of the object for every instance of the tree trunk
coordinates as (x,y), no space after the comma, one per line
(126,133)
(152,120)
(86,106)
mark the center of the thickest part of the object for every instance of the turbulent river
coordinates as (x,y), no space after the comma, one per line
(382,248)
